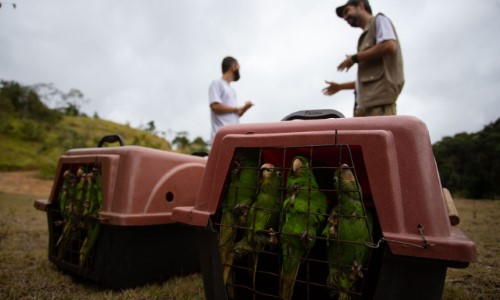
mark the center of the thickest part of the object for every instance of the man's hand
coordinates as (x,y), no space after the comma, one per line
(244,108)
(346,64)
(331,89)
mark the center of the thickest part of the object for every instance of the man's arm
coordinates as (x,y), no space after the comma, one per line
(220,108)
(244,108)
(378,51)
(334,87)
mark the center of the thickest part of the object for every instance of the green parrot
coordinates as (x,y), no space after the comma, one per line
(305,209)
(348,229)
(75,207)
(66,190)
(92,224)
(244,175)
(66,196)
(263,216)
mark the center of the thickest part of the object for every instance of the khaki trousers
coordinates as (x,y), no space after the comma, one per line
(380,110)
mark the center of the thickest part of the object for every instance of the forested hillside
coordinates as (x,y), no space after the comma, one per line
(33,136)
(469,163)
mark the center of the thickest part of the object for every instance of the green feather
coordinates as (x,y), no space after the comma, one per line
(348,229)
(74,207)
(92,225)
(304,211)
(264,212)
(240,195)
(263,217)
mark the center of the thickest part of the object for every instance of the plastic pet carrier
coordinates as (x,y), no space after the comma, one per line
(325,209)
(110,214)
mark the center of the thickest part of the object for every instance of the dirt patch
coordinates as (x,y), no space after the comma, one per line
(24,183)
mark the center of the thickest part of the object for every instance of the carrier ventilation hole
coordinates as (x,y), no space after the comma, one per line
(169,196)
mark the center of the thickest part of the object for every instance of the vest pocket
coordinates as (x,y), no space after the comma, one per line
(371,75)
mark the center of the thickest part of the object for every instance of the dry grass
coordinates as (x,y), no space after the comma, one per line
(26,273)
(480,220)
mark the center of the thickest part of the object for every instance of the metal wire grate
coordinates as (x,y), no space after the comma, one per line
(333,256)
(74,220)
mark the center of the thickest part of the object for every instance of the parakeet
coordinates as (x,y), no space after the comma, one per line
(92,225)
(244,175)
(65,193)
(305,209)
(348,229)
(263,216)
(80,200)
(75,208)
(66,197)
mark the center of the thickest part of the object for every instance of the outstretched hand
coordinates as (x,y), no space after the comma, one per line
(346,64)
(331,89)
(244,108)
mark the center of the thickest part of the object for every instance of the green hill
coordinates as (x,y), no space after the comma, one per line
(22,151)
(33,137)
(469,163)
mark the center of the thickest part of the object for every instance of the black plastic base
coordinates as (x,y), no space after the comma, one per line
(403,277)
(126,257)
(390,276)
(211,264)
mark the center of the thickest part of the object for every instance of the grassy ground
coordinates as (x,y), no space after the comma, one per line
(480,220)
(26,273)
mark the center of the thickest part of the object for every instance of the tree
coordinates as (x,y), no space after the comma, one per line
(24,102)
(151,127)
(469,163)
(69,103)
(181,140)
(199,145)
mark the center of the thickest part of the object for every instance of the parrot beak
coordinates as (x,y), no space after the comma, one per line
(297,166)
(346,173)
(267,169)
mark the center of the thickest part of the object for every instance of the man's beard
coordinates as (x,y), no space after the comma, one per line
(353,21)
(236,75)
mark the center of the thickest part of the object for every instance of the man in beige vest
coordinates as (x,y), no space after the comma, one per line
(380,76)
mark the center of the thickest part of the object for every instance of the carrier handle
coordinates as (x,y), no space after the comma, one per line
(111,139)
(314,114)
(200,153)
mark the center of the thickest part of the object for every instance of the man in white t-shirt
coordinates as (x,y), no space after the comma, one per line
(224,109)
(380,76)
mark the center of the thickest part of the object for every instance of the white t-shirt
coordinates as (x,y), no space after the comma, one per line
(221,92)
(385,31)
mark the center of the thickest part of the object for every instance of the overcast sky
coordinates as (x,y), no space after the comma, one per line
(138,61)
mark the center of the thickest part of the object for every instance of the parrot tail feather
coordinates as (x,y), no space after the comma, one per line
(227,268)
(288,277)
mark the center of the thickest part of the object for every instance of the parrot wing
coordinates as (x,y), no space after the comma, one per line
(348,229)
(240,195)
(263,214)
(304,211)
